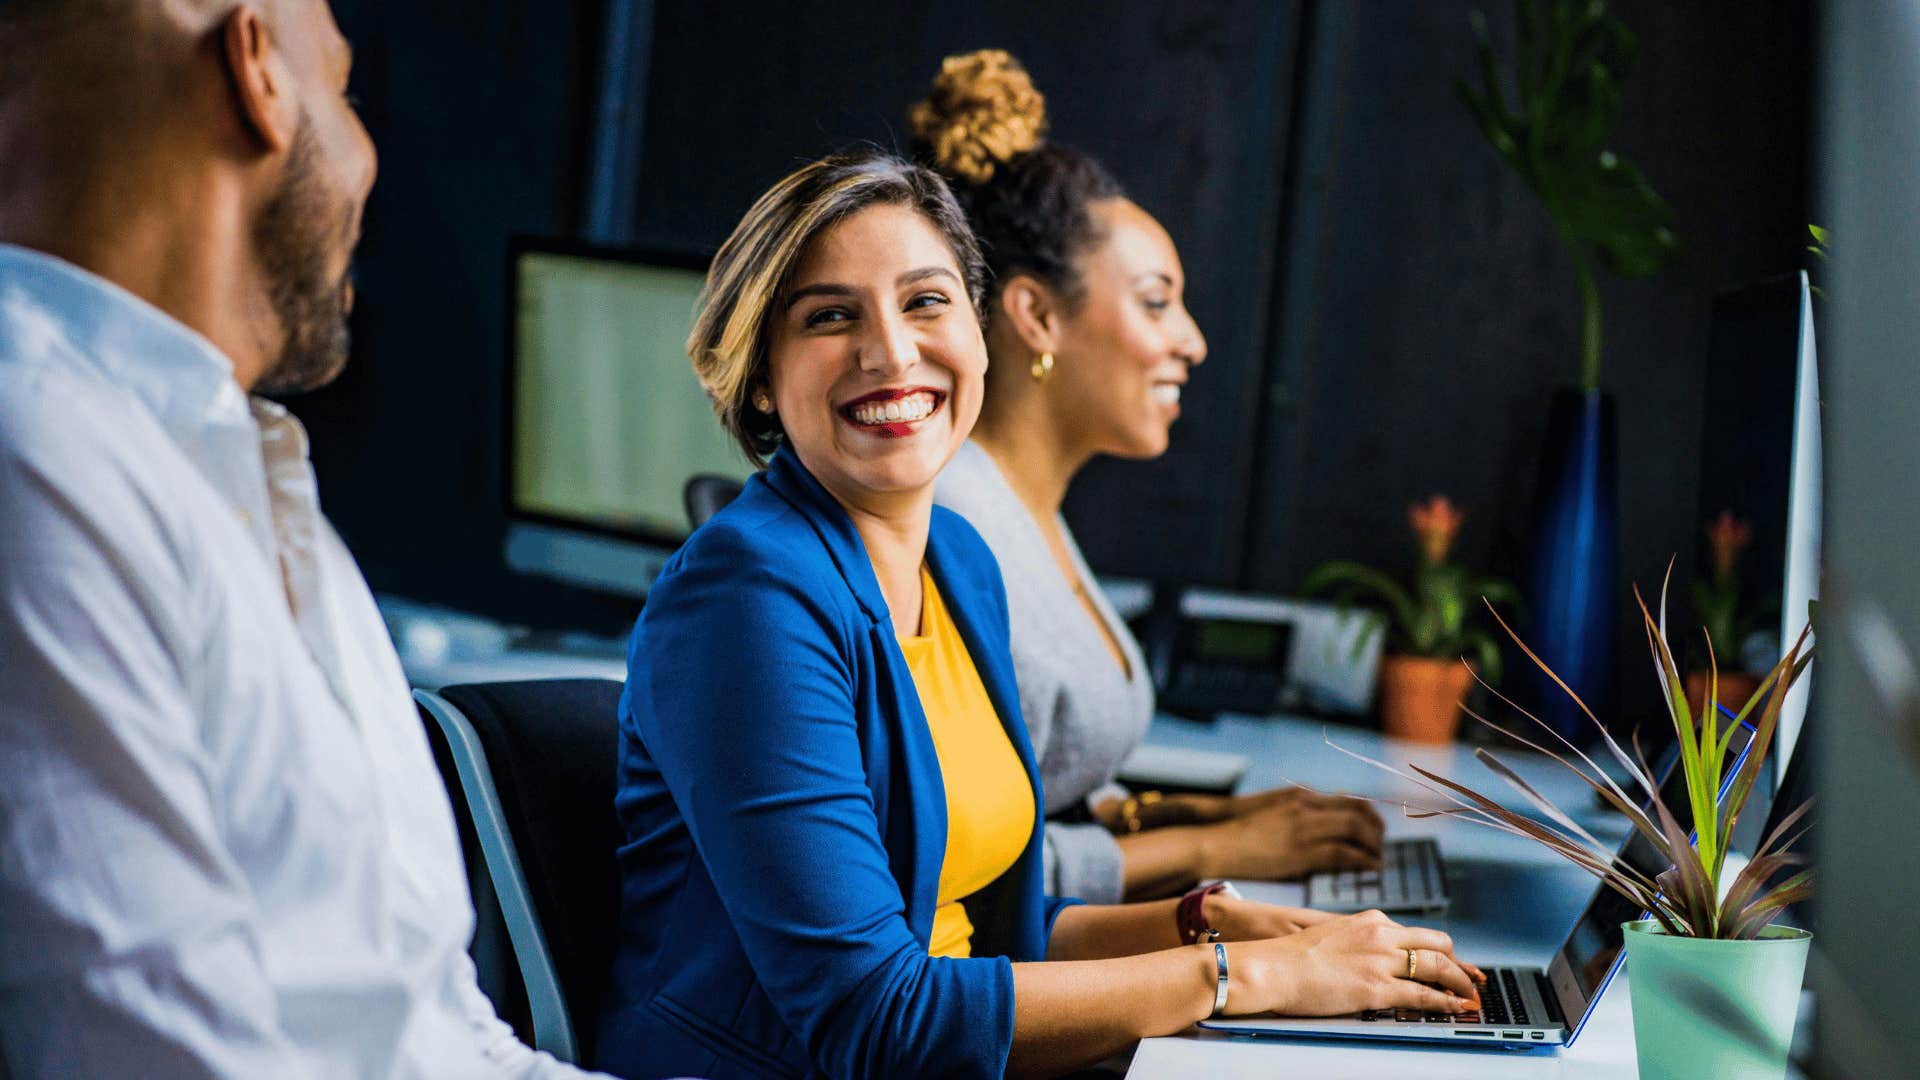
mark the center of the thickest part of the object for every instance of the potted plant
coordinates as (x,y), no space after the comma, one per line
(1721,604)
(1422,680)
(1715,984)
(1570,60)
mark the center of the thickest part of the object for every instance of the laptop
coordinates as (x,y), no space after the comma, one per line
(1520,1006)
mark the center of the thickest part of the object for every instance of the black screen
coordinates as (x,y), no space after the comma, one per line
(1236,641)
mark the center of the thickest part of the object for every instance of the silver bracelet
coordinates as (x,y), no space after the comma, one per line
(1220,986)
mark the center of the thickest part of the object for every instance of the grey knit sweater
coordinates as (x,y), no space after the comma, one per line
(1084,714)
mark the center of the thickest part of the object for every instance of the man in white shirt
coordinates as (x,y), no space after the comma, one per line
(224,846)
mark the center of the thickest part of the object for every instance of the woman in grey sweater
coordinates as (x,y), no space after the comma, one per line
(1090,345)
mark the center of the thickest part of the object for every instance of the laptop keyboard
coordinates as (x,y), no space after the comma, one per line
(1500,1000)
(1410,876)
(1501,1003)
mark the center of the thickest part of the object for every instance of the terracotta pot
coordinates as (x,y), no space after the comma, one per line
(1420,696)
(1735,688)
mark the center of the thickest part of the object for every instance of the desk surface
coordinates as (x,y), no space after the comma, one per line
(1513,902)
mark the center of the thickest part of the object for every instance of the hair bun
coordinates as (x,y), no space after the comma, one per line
(981,113)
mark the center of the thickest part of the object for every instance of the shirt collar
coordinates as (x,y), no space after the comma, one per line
(182,377)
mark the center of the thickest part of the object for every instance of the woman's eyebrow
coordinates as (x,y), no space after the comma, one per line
(825,288)
(832,288)
(922,274)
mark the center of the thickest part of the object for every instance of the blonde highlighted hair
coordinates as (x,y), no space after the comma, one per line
(740,305)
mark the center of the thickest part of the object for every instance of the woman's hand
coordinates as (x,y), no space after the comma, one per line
(1248,920)
(1346,964)
(1292,834)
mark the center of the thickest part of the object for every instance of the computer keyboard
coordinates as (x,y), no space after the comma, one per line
(1411,877)
(1501,1004)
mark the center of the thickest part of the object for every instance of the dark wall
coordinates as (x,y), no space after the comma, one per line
(1428,310)
(1385,303)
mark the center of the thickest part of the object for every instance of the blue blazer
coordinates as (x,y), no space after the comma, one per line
(784,819)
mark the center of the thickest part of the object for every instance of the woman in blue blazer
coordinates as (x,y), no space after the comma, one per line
(783,801)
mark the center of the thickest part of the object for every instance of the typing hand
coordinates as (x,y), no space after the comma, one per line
(1349,963)
(1291,834)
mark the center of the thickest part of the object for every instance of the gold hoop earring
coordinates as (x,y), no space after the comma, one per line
(1042,366)
(764,403)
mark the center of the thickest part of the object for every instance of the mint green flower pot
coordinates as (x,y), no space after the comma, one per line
(1714,1010)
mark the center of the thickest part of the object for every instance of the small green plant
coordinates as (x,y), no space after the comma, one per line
(1687,898)
(1431,618)
(1821,249)
(1567,71)
(1719,600)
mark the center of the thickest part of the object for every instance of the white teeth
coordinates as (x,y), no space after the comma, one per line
(1166,393)
(907,409)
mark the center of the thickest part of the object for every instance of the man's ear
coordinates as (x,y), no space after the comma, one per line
(262,85)
(1032,310)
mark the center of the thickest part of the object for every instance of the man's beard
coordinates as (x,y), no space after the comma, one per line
(294,240)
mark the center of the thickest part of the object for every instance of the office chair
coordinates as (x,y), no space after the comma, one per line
(705,494)
(531,770)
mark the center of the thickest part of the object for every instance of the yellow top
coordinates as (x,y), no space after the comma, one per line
(989,798)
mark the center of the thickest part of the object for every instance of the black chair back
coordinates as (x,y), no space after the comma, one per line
(552,745)
(706,494)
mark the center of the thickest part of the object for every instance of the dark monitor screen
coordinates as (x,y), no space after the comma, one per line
(1760,464)
(1746,448)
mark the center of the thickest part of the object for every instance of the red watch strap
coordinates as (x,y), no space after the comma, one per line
(1190,915)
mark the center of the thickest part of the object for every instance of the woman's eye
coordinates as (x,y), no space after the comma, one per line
(827,316)
(927,300)
(1157,307)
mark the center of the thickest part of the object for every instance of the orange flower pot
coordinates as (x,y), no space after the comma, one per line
(1420,697)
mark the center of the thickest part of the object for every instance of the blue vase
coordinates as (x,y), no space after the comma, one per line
(1573,589)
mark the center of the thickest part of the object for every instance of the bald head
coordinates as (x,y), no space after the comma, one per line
(103,36)
(83,73)
(200,153)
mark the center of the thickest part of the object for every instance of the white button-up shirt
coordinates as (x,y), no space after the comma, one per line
(224,846)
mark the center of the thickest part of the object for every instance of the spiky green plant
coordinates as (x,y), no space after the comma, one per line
(1566,103)
(1686,898)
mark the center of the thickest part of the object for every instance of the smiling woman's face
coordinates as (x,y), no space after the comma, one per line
(876,366)
(1126,350)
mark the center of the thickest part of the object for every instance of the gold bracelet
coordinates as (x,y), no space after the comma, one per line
(1130,809)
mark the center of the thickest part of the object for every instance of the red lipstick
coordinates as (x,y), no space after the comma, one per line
(894,429)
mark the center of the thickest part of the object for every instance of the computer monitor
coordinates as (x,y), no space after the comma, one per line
(1761,459)
(606,421)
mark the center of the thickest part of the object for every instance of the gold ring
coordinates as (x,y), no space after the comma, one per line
(1413,962)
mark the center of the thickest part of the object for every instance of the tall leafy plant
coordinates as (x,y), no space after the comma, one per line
(1570,58)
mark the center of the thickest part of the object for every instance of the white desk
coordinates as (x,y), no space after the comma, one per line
(1513,902)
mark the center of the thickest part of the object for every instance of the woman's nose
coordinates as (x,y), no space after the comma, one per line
(889,349)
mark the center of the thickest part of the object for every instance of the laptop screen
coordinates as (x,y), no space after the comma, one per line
(1596,940)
